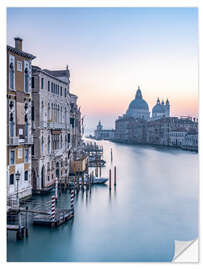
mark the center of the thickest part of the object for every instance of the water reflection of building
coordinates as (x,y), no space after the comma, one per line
(103,134)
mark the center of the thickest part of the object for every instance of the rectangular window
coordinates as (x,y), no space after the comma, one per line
(33,150)
(52,87)
(65,92)
(61,92)
(48,86)
(68,137)
(33,82)
(33,113)
(42,83)
(20,153)
(26,155)
(19,66)
(12,157)
(11,182)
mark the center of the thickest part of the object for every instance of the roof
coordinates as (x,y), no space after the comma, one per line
(44,71)
(21,53)
(57,73)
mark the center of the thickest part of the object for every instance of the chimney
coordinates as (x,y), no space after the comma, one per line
(18,43)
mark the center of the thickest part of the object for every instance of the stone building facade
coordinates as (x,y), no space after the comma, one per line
(52,130)
(168,131)
(103,134)
(19,127)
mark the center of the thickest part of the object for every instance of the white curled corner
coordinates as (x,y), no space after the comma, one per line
(186,251)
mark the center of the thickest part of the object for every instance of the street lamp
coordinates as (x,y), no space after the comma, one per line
(17,180)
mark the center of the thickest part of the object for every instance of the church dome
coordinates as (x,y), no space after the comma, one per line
(138,103)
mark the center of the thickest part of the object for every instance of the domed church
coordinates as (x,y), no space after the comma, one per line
(161,110)
(138,107)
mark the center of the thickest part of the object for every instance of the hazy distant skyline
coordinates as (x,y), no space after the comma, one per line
(110,51)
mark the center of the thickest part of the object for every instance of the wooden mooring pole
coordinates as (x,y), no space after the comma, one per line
(110,179)
(26,223)
(20,232)
(100,170)
(114,175)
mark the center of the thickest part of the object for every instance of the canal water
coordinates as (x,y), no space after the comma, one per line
(154,203)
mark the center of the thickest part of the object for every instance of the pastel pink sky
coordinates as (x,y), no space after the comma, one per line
(110,51)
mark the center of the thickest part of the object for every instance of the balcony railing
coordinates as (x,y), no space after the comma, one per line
(43,124)
(54,125)
(28,140)
(57,152)
(13,140)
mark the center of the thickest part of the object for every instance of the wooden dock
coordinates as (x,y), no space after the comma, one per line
(62,216)
(19,230)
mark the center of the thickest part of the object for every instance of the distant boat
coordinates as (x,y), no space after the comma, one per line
(99,180)
(95,180)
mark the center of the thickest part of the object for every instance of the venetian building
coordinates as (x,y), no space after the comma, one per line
(51,128)
(161,110)
(19,122)
(138,107)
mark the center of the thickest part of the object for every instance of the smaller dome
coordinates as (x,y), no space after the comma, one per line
(158,108)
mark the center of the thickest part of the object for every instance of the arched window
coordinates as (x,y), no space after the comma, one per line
(49,144)
(26,80)
(48,111)
(42,111)
(26,175)
(61,141)
(61,115)
(26,126)
(11,76)
(65,116)
(42,144)
(52,111)
(11,179)
(11,125)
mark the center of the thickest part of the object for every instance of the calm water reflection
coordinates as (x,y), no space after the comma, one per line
(155,202)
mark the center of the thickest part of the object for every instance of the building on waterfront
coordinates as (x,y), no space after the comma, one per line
(138,107)
(19,122)
(161,110)
(103,134)
(137,127)
(177,136)
(76,122)
(52,130)
(191,140)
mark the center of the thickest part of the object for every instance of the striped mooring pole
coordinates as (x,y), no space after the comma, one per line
(53,208)
(56,189)
(72,200)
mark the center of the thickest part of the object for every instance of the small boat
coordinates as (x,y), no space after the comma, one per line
(99,180)
(95,180)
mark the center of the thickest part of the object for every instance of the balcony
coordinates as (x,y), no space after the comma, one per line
(28,140)
(14,141)
(57,152)
(43,124)
(55,125)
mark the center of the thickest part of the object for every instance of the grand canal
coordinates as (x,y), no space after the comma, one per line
(155,203)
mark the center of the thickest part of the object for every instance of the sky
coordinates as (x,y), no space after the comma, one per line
(110,51)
